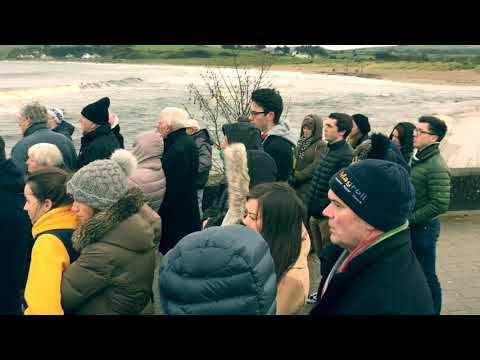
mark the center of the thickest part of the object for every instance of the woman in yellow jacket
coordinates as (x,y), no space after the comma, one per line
(49,208)
(276,212)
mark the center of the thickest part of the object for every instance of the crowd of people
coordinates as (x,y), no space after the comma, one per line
(109,231)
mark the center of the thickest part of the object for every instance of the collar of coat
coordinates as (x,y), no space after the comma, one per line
(336,145)
(361,263)
(173,136)
(33,128)
(426,153)
(101,130)
(105,221)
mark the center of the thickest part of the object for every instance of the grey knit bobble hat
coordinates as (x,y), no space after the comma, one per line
(102,183)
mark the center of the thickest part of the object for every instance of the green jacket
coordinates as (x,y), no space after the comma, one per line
(431,179)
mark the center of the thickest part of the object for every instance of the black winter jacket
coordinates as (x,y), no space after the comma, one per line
(97,145)
(204,146)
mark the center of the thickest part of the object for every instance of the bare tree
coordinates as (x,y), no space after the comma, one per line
(223,99)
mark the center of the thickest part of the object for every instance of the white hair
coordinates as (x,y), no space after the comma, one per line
(174,117)
(45,154)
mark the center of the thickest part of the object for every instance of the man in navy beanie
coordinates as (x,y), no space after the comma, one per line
(371,269)
(98,141)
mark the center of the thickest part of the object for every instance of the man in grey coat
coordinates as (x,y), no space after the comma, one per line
(32,121)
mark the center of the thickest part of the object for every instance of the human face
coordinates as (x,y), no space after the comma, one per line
(33,206)
(396,138)
(347,230)
(191,130)
(355,130)
(422,136)
(82,211)
(261,119)
(87,125)
(23,123)
(51,122)
(163,128)
(307,132)
(252,217)
(32,165)
(330,131)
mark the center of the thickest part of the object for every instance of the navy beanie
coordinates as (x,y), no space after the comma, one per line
(378,191)
(362,123)
(97,112)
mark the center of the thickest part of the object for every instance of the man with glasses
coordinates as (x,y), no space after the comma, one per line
(431,179)
(277,139)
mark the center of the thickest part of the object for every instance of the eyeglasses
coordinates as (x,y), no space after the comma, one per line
(255,113)
(418,131)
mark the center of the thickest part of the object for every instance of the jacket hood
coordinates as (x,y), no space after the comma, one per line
(204,135)
(65,128)
(61,218)
(283,130)
(244,133)
(120,225)
(11,179)
(224,270)
(318,131)
(148,145)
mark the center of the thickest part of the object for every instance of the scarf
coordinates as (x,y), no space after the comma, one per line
(303,145)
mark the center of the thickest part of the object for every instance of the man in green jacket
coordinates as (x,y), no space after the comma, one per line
(431,179)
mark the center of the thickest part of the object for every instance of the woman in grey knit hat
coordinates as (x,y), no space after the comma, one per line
(116,241)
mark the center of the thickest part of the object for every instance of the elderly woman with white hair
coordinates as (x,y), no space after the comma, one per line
(43,155)
(179,209)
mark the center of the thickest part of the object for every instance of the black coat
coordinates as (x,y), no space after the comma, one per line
(385,280)
(337,156)
(281,150)
(118,136)
(179,210)
(97,145)
(15,238)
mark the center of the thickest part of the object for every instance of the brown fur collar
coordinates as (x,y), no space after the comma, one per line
(105,221)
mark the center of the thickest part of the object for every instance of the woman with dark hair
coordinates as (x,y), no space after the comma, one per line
(50,210)
(402,136)
(275,211)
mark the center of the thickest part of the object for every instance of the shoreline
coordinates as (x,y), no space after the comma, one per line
(390,72)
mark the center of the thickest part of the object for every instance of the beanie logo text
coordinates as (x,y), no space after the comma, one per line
(350,187)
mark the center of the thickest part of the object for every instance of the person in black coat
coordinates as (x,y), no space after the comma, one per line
(277,139)
(115,127)
(15,237)
(371,268)
(98,141)
(338,155)
(179,210)
(57,123)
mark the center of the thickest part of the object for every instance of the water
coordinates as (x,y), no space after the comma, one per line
(139,92)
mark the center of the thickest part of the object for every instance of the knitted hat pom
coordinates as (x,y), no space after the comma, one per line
(126,160)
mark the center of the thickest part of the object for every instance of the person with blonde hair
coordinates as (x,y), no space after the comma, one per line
(43,155)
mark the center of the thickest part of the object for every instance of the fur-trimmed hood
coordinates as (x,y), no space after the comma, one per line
(120,225)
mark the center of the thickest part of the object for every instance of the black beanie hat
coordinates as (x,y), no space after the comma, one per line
(378,191)
(362,123)
(97,112)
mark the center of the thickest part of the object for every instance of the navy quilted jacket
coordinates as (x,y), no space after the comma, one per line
(219,271)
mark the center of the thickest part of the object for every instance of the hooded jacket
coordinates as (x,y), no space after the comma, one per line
(204,144)
(149,175)
(305,167)
(65,128)
(15,238)
(38,133)
(279,144)
(113,274)
(378,146)
(50,257)
(219,271)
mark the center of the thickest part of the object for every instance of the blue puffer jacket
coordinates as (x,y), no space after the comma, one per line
(219,271)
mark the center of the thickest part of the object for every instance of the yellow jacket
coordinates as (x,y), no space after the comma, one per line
(293,288)
(49,260)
